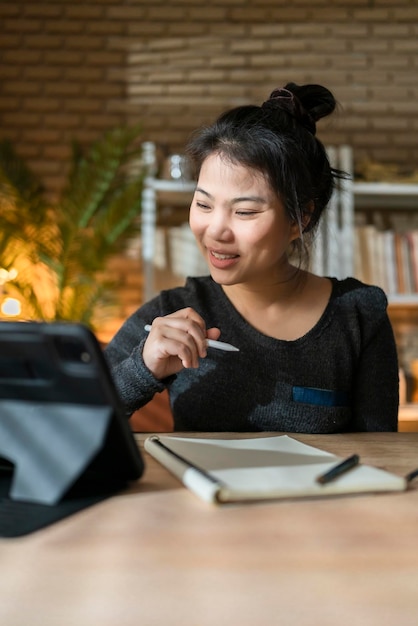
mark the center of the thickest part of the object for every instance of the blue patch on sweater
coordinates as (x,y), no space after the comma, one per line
(320,397)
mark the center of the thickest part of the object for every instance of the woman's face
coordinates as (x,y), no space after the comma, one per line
(240,225)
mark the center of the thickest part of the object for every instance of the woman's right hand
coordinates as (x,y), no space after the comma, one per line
(176,341)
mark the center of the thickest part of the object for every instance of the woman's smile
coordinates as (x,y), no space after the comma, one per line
(222,260)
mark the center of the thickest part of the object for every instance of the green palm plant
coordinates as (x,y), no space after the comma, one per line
(60,249)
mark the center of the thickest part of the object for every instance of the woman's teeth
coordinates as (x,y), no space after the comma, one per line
(222,257)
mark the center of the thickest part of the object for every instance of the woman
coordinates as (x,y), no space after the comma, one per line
(316,354)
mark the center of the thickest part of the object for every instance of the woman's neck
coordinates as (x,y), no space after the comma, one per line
(265,293)
(287,310)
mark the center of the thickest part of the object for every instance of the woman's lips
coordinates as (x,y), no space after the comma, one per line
(222,260)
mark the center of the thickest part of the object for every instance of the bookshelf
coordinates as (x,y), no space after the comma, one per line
(385,195)
(377,207)
(385,248)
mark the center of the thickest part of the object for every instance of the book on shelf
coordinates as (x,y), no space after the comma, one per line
(262,468)
(387,258)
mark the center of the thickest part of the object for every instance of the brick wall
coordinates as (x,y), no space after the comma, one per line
(73,68)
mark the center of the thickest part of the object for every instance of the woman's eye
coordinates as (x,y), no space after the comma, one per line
(200,205)
(246,213)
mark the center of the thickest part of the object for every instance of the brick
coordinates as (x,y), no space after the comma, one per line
(372,15)
(208,13)
(21,88)
(332,13)
(107,90)
(10,41)
(21,57)
(43,41)
(8,9)
(391,30)
(288,45)
(171,13)
(146,29)
(186,29)
(86,42)
(208,75)
(392,62)
(227,61)
(21,25)
(11,134)
(104,58)
(62,88)
(105,27)
(83,105)
(129,13)
(404,14)
(8,103)
(10,72)
(83,11)
(29,152)
(367,46)
(45,167)
(85,73)
(62,120)
(65,26)
(42,135)
(63,57)
(409,46)
(103,122)
(270,30)
(41,73)
(312,30)
(252,15)
(59,152)
(42,9)
(370,108)
(21,119)
(43,104)
(389,123)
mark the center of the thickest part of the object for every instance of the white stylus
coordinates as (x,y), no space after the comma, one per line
(218,345)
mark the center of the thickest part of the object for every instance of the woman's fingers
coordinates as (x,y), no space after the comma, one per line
(176,341)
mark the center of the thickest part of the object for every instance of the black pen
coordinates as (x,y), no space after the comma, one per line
(411,475)
(339,469)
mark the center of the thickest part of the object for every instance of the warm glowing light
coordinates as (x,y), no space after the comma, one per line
(11,307)
(5,275)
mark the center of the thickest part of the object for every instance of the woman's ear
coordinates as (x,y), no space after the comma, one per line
(307,215)
(298,228)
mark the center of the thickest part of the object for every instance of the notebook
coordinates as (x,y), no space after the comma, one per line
(232,470)
(65,441)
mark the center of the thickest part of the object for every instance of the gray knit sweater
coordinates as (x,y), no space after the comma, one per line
(341,376)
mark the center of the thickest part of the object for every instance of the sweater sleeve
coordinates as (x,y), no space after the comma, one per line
(134,382)
(376,396)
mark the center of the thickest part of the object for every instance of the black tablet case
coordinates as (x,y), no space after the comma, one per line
(65,441)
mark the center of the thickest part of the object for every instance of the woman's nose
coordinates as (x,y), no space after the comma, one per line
(219,227)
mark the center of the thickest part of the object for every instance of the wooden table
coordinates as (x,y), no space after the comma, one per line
(157,555)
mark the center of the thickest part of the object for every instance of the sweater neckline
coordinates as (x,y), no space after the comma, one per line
(240,322)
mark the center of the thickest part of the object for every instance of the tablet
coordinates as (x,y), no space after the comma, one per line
(65,440)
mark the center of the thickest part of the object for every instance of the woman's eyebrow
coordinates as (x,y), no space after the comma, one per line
(205,193)
(257,199)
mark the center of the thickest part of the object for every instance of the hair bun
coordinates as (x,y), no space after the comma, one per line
(306,103)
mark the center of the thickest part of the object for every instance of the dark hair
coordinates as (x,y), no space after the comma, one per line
(278,139)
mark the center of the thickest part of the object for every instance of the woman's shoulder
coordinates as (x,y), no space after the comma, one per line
(351,292)
(194,290)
